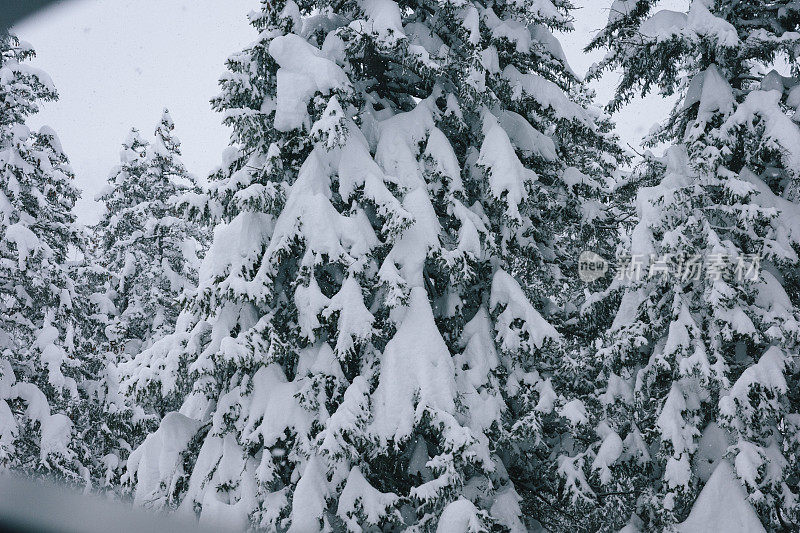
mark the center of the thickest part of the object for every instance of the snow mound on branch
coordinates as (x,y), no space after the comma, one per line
(308,502)
(512,30)
(473,365)
(713,93)
(220,463)
(12,67)
(421,35)
(26,241)
(780,133)
(157,462)
(722,506)
(572,177)
(674,428)
(634,525)
(359,496)
(507,292)
(56,434)
(607,455)
(330,129)
(526,138)
(224,479)
(663,25)
(383,19)
(541,9)
(787,222)
(417,373)
(272,407)
(310,216)
(767,373)
(303,71)
(620,9)
(507,511)
(398,143)
(460,516)
(443,158)
(319,360)
(793,101)
(347,420)
(36,407)
(575,412)
(507,175)
(236,247)
(703,23)
(541,34)
(546,93)
(411,250)
(355,320)
(358,169)
(8,428)
(711,449)
(310,302)
(698,23)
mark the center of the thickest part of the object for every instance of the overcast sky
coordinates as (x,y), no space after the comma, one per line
(117,63)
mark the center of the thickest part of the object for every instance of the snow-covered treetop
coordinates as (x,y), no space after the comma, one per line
(166,142)
(144,242)
(658,47)
(133,161)
(714,55)
(35,170)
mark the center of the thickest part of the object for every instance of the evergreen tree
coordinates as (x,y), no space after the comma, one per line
(110,423)
(143,264)
(145,244)
(41,370)
(372,341)
(700,363)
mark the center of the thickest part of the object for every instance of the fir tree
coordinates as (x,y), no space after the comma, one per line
(700,367)
(372,343)
(149,249)
(143,265)
(41,371)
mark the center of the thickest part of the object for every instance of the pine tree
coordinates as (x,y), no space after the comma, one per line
(143,241)
(41,370)
(110,424)
(143,265)
(370,343)
(700,361)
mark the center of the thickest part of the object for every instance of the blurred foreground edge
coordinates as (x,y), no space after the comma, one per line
(28,506)
(12,11)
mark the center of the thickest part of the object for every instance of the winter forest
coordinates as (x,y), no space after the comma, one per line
(428,289)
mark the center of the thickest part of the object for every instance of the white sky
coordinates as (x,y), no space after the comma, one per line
(117,63)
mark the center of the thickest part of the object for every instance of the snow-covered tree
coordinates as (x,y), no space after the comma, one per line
(701,360)
(109,423)
(722,506)
(143,241)
(372,341)
(142,264)
(40,368)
